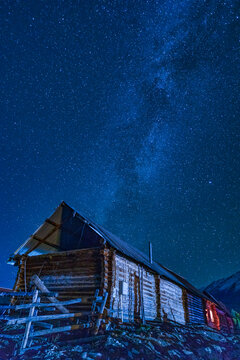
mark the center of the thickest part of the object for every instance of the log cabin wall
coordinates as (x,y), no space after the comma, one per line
(126,290)
(195,309)
(73,274)
(149,295)
(131,288)
(171,299)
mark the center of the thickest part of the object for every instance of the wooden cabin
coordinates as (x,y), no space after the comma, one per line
(74,257)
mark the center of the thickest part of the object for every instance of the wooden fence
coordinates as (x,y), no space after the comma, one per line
(42,299)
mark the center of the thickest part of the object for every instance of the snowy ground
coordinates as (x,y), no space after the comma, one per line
(163,342)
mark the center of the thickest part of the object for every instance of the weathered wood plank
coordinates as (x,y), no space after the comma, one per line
(42,287)
(60,329)
(24,293)
(28,306)
(42,318)
(171,302)
(29,324)
(44,324)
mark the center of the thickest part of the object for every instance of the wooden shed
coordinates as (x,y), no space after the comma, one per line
(75,257)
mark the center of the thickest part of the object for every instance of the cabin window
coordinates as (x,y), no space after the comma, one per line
(123,287)
(211,315)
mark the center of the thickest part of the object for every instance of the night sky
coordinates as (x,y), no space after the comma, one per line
(129,111)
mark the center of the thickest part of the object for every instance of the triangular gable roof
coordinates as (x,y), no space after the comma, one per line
(66,223)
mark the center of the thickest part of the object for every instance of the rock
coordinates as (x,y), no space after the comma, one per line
(174,353)
(188,352)
(162,342)
(95,355)
(173,343)
(208,349)
(217,348)
(77,348)
(113,342)
(130,355)
(134,351)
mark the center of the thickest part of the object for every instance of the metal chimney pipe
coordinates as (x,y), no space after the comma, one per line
(150,252)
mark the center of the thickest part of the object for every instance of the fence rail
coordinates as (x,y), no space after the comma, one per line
(33,318)
(26,293)
(40,305)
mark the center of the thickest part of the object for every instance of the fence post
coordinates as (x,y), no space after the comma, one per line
(100,313)
(29,323)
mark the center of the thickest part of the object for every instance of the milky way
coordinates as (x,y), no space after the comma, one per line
(128,111)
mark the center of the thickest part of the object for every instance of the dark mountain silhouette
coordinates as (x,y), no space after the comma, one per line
(227,290)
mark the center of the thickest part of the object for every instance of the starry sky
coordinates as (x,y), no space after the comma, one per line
(128,111)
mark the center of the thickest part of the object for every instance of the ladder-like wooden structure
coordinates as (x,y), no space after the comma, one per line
(46,321)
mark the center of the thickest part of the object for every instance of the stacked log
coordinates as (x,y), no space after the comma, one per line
(73,274)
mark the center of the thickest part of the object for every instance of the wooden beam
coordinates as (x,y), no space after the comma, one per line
(52,223)
(60,329)
(46,242)
(44,324)
(38,305)
(40,285)
(7,336)
(100,314)
(67,230)
(28,293)
(141,294)
(44,239)
(29,323)
(44,317)
(41,241)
